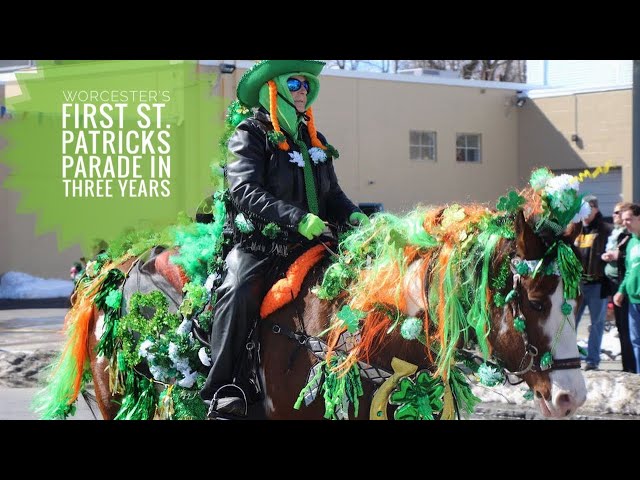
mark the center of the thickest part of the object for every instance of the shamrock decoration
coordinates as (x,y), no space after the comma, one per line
(511,203)
(452,215)
(546,361)
(350,318)
(419,400)
(490,375)
(396,239)
(523,269)
(519,324)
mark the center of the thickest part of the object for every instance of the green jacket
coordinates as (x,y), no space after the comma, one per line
(631,283)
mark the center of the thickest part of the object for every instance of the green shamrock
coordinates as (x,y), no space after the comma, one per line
(511,203)
(396,239)
(452,215)
(350,317)
(419,400)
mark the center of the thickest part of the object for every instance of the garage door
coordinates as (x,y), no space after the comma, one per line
(608,188)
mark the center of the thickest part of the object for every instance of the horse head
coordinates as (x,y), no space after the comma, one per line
(536,334)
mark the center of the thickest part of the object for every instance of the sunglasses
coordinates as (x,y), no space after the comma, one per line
(294,84)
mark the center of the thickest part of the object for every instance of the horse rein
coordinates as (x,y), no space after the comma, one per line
(529,362)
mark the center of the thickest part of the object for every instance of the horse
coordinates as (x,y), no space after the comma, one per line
(293,339)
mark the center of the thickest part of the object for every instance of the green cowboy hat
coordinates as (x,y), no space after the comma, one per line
(248,91)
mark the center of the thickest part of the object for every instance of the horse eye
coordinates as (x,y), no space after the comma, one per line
(537,306)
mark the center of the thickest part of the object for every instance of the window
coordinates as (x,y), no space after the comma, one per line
(422,145)
(468,147)
(13,65)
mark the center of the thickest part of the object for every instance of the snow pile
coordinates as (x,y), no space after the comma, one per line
(18,285)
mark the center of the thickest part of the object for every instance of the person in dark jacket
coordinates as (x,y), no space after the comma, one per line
(591,245)
(615,255)
(283,192)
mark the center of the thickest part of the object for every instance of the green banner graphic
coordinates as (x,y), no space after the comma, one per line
(98,147)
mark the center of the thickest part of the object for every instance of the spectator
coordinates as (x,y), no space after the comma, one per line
(630,286)
(591,245)
(614,270)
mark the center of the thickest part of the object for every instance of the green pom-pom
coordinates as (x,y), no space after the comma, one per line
(490,376)
(276,137)
(518,323)
(243,224)
(546,361)
(523,269)
(271,230)
(498,300)
(411,328)
(566,308)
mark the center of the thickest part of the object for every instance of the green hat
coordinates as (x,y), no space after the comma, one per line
(249,85)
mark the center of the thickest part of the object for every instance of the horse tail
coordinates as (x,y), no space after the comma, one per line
(66,374)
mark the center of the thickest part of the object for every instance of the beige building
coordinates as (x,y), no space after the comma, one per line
(407,140)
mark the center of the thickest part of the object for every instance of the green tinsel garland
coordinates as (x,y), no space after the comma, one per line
(339,389)
(108,300)
(134,327)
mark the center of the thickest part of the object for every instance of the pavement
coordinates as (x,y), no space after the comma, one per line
(30,337)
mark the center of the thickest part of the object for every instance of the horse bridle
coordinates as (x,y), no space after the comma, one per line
(530,361)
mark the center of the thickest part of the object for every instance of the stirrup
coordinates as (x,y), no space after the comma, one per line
(213,413)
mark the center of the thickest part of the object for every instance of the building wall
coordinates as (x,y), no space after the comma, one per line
(20,248)
(602,121)
(369,122)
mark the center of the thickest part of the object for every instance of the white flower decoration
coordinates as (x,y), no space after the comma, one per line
(317,155)
(204,357)
(560,183)
(296,157)
(585,211)
(143,350)
(209,283)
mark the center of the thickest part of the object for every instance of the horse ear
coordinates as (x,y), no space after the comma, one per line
(528,245)
(572,232)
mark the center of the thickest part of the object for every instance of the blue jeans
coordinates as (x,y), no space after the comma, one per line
(597,310)
(634,331)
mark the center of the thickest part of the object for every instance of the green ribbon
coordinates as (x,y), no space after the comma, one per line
(309,182)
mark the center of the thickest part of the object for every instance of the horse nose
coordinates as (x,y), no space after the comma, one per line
(565,403)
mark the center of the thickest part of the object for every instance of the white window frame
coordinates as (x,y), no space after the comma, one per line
(423,149)
(466,148)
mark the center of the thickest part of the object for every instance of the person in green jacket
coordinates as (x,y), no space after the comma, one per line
(630,286)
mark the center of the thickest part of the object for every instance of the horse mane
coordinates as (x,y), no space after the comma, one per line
(458,249)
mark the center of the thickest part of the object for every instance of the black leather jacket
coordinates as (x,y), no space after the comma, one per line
(267,188)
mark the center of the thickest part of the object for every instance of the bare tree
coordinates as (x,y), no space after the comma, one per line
(496,70)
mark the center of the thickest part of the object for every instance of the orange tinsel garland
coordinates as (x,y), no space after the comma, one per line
(286,289)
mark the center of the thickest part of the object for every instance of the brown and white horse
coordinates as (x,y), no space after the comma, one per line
(286,357)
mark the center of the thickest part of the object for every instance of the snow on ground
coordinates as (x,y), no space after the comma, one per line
(18,285)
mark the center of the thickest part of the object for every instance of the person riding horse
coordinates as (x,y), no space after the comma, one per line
(282,189)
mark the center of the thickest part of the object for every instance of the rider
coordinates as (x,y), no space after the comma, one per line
(282,189)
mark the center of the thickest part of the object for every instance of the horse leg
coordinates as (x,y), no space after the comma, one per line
(100,371)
